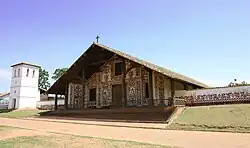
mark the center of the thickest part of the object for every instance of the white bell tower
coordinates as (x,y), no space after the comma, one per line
(24,92)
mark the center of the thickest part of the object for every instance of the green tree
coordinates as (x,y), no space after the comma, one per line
(232,84)
(43,79)
(58,73)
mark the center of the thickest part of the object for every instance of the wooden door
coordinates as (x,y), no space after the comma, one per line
(117,95)
(14,103)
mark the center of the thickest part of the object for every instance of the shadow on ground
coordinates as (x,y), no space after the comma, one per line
(130,115)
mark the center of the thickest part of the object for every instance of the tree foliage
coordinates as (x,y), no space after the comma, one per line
(43,79)
(58,73)
(232,84)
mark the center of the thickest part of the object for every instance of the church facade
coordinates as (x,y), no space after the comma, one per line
(107,78)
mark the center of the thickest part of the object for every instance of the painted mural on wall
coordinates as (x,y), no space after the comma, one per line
(213,96)
(75,95)
(136,80)
(103,81)
(159,90)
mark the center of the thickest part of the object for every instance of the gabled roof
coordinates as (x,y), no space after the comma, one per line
(154,67)
(4,94)
(149,65)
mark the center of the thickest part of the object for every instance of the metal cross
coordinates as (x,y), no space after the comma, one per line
(97,38)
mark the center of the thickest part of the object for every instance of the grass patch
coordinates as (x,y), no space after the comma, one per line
(25,142)
(5,128)
(20,113)
(71,141)
(230,118)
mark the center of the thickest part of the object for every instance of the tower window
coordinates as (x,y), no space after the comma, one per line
(118,68)
(33,73)
(15,73)
(27,74)
(19,73)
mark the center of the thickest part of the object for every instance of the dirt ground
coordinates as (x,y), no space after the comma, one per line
(187,139)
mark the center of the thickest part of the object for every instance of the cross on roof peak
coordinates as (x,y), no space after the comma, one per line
(97,38)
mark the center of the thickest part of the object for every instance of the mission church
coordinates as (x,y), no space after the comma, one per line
(103,77)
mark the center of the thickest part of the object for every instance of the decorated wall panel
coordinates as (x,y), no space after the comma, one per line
(159,89)
(135,81)
(214,96)
(76,99)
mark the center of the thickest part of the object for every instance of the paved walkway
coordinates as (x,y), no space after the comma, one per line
(187,139)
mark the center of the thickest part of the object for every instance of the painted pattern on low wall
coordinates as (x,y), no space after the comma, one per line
(213,96)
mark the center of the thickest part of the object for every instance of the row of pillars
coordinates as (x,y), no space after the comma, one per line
(150,103)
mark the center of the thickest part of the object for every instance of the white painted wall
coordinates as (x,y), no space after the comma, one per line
(49,102)
(24,86)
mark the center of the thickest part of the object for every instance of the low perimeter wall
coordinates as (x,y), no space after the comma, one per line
(4,105)
(49,104)
(240,94)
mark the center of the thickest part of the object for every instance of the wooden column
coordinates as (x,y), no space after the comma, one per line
(150,88)
(66,100)
(124,92)
(172,92)
(83,89)
(55,102)
(185,87)
(142,96)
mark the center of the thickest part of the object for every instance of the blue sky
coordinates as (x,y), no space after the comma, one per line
(206,40)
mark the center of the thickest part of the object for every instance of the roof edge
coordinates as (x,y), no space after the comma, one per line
(25,63)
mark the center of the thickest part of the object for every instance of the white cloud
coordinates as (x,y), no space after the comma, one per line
(5,74)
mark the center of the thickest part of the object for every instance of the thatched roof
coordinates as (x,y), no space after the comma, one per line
(80,63)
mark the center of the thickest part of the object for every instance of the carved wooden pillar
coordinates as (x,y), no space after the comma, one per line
(83,102)
(172,92)
(150,88)
(142,96)
(66,100)
(55,102)
(124,92)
